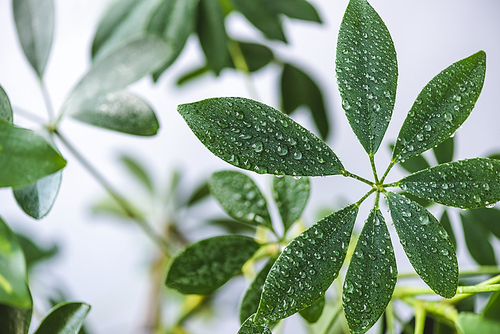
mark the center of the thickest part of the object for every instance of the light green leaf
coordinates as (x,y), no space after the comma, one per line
(240,197)
(445,222)
(297,89)
(492,309)
(371,277)
(489,218)
(297,9)
(25,156)
(5,107)
(290,195)
(212,34)
(33,253)
(367,73)
(444,151)
(37,199)
(441,107)
(476,239)
(313,312)
(466,184)
(13,289)
(35,28)
(14,320)
(253,136)
(66,318)
(135,167)
(205,266)
(472,323)
(249,327)
(307,266)
(426,244)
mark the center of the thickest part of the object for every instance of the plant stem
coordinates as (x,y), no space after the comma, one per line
(489,282)
(358,203)
(29,115)
(393,162)
(374,168)
(241,64)
(376,202)
(336,312)
(470,289)
(482,270)
(124,204)
(389,316)
(48,102)
(357,177)
(419,317)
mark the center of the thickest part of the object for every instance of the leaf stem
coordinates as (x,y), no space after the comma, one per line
(377,200)
(29,115)
(390,185)
(419,317)
(48,101)
(358,203)
(482,270)
(374,168)
(357,177)
(389,316)
(489,282)
(241,64)
(336,312)
(393,162)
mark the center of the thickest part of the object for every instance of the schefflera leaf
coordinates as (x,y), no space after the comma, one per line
(307,266)
(253,136)
(249,327)
(441,107)
(466,184)
(313,312)
(203,267)
(240,197)
(367,73)
(426,244)
(371,277)
(66,318)
(290,195)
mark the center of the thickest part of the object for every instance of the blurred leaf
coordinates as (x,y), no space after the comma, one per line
(445,222)
(297,89)
(35,28)
(233,129)
(14,320)
(202,192)
(494,156)
(37,199)
(422,201)
(291,197)
(25,156)
(232,226)
(249,327)
(492,309)
(65,318)
(471,323)
(135,167)
(413,164)
(34,253)
(256,55)
(191,75)
(205,266)
(476,238)
(441,107)
(313,312)
(5,107)
(489,218)
(109,206)
(444,151)
(212,34)
(296,9)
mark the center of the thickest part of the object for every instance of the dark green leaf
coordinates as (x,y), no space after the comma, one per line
(253,136)
(204,266)
(240,197)
(65,318)
(34,253)
(466,184)
(25,156)
(249,327)
(494,156)
(445,222)
(476,238)
(313,312)
(37,199)
(441,107)
(14,320)
(371,277)
(422,201)
(256,55)
(492,309)
(212,33)
(297,89)
(489,218)
(35,28)
(290,195)
(413,164)
(5,108)
(444,151)
(191,75)
(307,266)
(367,73)
(297,9)
(251,299)
(426,244)
(135,167)
(472,323)
(13,289)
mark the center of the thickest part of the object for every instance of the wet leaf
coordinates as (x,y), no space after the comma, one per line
(466,184)
(426,244)
(472,323)
(65,318)
(296,9)
(33,253)
(441,107)
(492,309)
(253,136)
(444,151)
(203,267)
(291,197)
(313,312)
(445,222)
(489,218)
(14,320)
(136,168)
(249,327)
(307,266)
(35,27)
(212,34)
(371,277)
(5,107)
(25,156)
(422,201)
(413,164)
(476,239)
(240,197)
(367,73)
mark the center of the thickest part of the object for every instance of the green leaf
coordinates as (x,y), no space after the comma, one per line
(264,19)
(135,167)
(240,197)
(313,312)
(249,327)
(33,253)
(297,89)
(413,164)
(14,320)
(251,298)
(444,151)
(489,218)
(441,107)
(5,107)
(371,277)
(256,55)
(25,156)
(476,239)
(37,199)
(232,226)
(65,318)
(494,156)
(492,309)
(426,244)
(296,9)
(367,73)
(307,266)
(290,195)
(192,75)
(203,267)
(35,28)
(13,289)
(472,323)
(253,136)
(199,194)
(422,201)
(445,222)
(466,184)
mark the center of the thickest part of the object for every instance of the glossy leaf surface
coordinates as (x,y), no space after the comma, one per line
(253,136)
(441,107)
(25,156)
(65,318)
(37,199)
(35,27)
(426,244)
(371,277)
(291,197)
(249,327)
(5,107)
(444,151)
(296,9)
(240,197)
(465,184)
(476,239)
(472,323)
(204,266)
(367,73)
(489,218)
(445,222)
(212,34)
(307,266)
(14,320)
(313,312)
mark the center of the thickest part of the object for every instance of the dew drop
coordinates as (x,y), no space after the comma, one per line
(297,155)
(282,150)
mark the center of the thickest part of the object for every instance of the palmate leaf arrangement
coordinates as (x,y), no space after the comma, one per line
(255,137)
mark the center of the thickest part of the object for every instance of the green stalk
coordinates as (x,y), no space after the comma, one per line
(241,64)
(357,177)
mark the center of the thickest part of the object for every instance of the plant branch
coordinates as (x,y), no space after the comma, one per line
(29,115)
(335,314)
(374,168)
(482,270)
(357,177)
(48,101)
(241,64)
(419,317)
(393,162)
(358,203)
